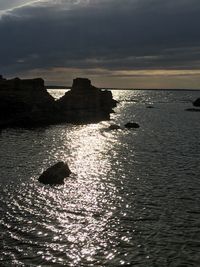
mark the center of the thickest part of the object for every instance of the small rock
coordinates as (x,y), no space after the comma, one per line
(114,127)
(130,125)
(149,106)
(196,103)
(55,174)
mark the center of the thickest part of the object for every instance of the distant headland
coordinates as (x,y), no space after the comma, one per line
(27,103)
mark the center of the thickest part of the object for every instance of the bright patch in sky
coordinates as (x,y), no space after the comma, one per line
(11,4)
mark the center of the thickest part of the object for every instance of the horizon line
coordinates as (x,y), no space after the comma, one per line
(57,87)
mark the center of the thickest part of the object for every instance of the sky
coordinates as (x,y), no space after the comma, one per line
(115,43)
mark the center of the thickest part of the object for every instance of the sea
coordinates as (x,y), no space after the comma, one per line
(133,198)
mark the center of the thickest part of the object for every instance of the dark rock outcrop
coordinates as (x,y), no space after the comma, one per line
(55,174)
(130,125)
(196,103)
(26,103)
(86,103)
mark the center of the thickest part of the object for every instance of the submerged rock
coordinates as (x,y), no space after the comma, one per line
(130,125)
(55,174)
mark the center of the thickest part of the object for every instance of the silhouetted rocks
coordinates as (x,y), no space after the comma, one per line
(196,103)
(26,103)
(81,84)
(86,103)
(114,127)
(130,125)
(56,174)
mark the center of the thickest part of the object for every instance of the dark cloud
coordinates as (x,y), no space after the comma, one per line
(115,34)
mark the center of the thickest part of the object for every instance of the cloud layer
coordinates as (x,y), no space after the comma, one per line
(113,35)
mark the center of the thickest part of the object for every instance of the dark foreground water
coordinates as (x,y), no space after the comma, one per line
(133,198)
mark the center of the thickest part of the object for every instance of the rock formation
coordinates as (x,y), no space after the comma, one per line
(55,174)
(26,103)
(85,102)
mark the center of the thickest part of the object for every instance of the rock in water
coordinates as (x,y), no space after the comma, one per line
(196,103)
(26,103)
(130,125)
(55,174)
(114,127)
(86,103)
(149,106)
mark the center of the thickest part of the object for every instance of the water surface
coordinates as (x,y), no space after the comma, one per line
(133,198)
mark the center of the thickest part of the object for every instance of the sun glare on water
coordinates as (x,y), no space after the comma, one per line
(82,210)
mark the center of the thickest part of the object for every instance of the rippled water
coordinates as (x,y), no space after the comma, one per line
(133,198)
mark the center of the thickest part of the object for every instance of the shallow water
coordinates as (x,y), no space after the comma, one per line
(133,198)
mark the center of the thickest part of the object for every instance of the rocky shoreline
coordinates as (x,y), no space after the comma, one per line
(26,103)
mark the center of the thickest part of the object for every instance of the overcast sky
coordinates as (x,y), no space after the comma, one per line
(124,43)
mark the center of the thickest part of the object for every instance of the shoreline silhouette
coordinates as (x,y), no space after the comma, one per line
(27,103)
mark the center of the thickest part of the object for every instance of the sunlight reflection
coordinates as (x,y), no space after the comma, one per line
(77,223)
(84,207)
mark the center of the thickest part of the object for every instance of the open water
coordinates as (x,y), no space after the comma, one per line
(133,198)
